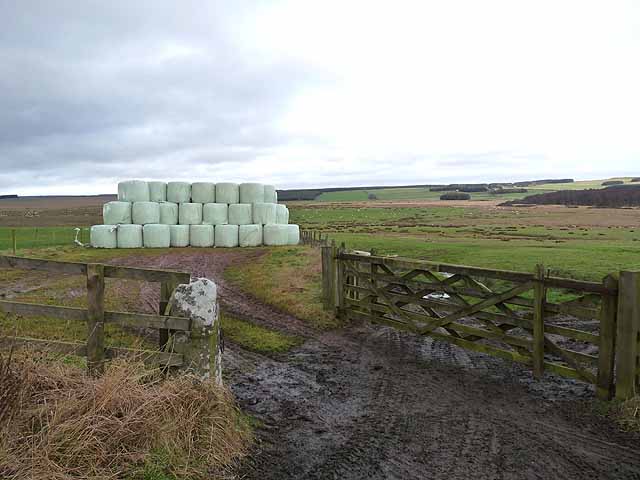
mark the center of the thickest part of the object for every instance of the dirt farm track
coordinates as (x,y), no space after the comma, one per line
(369,402)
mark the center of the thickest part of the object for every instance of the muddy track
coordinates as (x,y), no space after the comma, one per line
(371,402)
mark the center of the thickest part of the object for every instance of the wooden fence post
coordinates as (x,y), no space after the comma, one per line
(165,295)
(628,325)
(339,280)
(373,270)
(540,294)
(95,318)
(166,289)
(328,277)
(606,347)
(13,240)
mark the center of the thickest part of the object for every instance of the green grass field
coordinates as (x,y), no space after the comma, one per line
(41,237)
(564,240)
(391,194)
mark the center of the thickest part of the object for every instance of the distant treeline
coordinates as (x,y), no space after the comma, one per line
(614,196)
(313,193)
(8,196)
(456,187)
(504,191)
(532,183)
(455,196)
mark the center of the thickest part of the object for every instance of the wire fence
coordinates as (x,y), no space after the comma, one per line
(20,238)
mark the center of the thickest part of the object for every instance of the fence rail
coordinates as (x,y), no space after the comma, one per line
(95,315)
(583,330)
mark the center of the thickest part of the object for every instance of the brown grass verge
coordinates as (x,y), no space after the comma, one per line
(57,422)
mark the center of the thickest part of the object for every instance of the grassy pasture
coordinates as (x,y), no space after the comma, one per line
(419,193)
(579,243)
(40,237)
(394,194)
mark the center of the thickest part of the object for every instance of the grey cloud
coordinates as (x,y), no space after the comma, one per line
(84,91)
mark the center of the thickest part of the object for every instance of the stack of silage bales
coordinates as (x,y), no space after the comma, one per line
(200,214)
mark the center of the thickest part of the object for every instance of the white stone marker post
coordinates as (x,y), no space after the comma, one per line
(201,347)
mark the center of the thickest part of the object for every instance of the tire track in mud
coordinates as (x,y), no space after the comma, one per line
(373,402)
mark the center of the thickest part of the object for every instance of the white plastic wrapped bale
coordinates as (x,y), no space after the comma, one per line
(270,194)
(227,192)
(157,191)
(275,235)
(179,235)
(201,235)
(179,192)
(215,213)
(104,236)
(240,214)
(251,193)
(156,235)
(293,234)
(133,191)
(264,213)
(129,236)
(168,213)
(190,214)
(145,212)
(116,213)
(282,214)
(226,236)
(203,192)
(250,235)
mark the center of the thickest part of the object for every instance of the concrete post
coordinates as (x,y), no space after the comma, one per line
(201,347)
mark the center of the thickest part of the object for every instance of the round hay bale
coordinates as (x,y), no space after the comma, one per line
(215,213)
(226,235)
(157,191)
(275,235)
(201,235)
(156,235)
(270,194)
(293,234)
(190,214)
(145,212)
(168,213)
(282,214)
(129,236)
(179,235)
(116,213)
(264,213)
(103,236)
(133,191)
(179,192)
(250,235)
(251,193)
(203,192)
(227,192)
(240,214)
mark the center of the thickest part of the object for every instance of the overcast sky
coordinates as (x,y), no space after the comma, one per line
(317,93)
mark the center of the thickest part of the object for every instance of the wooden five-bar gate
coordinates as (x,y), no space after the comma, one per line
(583,330)
(95,314)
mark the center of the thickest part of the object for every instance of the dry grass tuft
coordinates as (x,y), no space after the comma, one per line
(57,422)
(628,414)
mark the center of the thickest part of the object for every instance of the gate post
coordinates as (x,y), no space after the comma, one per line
(628,326)
(606,346)
(339,279)
(539,304)
(201,347)
(328,277)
